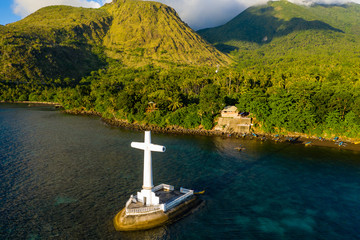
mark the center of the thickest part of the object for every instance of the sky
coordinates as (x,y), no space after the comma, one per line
(197,14)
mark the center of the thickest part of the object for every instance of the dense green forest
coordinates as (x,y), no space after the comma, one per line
(303,78)
(314,102)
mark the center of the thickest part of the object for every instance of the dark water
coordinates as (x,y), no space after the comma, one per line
(65,177)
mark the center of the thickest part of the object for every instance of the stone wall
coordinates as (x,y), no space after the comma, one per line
(229,114)
(238,125)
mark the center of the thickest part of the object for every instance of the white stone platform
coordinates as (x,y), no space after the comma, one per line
(168,199)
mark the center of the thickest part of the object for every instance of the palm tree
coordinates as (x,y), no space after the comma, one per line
(175,103)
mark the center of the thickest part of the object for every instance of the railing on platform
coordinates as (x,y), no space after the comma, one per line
(180,199)
(163,186)
(162,207)
(185,190)
(143,210)
(128,202)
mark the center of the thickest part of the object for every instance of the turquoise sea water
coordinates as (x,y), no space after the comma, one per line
(65,177)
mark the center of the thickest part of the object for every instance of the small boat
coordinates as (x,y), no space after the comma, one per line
(307,144)
(356,142)
(200,192)
(254,134)
(292,139)
(335,139)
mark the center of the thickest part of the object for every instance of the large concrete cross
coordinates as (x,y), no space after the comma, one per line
(148,147)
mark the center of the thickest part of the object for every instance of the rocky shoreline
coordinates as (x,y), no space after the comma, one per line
(340,143)
(294,138)
(57,105)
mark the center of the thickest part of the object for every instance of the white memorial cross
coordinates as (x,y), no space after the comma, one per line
(148,147)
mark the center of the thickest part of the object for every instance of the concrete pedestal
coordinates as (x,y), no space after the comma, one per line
(123,222)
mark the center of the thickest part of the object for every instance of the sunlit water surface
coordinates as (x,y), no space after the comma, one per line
(65,177)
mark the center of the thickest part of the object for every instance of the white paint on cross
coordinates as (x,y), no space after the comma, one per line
(146,195)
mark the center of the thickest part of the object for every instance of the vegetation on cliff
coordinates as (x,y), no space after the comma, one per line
(145,32)
(190,97)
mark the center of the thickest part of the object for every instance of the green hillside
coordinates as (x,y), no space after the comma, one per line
(60,42)
(260,25)
(154,33)
(55,42)
(293,39)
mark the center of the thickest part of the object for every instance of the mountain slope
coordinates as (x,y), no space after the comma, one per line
(345,17)
(281,40)
(154,32)
(69,42)
(261,24)
(54,42)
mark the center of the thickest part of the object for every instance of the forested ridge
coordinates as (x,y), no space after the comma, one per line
(305,81)
(58,42)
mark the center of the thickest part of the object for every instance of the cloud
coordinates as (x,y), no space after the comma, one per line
(105,1)
(26,7)
(210,13)
(197,13)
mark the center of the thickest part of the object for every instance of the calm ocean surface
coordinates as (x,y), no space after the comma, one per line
(65,177)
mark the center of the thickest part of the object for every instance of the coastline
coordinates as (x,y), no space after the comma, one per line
(58,105)
(291,138)
(346,144)
(296,138)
